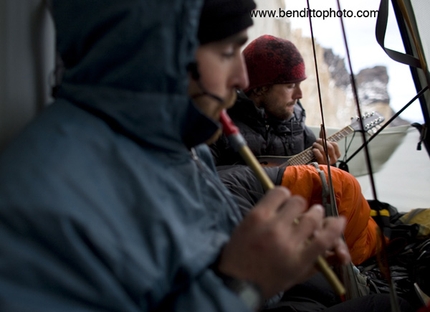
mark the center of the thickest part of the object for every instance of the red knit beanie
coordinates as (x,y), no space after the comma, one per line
(271,60)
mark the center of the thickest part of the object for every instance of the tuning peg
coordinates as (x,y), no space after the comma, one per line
(371,131)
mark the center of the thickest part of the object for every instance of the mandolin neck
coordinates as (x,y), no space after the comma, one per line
(307,155)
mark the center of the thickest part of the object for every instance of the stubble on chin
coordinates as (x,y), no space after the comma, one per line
(289,112)
(231,99)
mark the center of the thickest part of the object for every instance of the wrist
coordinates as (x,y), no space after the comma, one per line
(250,293)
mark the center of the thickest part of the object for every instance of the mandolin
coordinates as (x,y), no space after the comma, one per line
(370,121)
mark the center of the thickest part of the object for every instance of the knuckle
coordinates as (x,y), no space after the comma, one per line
(299,200)
(282,191)
(256,217)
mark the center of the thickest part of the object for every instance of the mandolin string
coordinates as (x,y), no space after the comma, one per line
(306,156)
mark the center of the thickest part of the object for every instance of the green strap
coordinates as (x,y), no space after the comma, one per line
(380,30)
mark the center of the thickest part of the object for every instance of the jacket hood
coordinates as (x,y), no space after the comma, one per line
(128,66)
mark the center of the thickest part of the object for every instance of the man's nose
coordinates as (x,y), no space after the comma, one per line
(240,74)
(297,93)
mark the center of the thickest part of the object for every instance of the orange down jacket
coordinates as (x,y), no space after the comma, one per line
(361,230)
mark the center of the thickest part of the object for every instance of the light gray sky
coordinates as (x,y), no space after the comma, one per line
(364,50)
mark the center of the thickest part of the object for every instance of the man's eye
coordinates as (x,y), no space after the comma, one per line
(229,51)
(228,54)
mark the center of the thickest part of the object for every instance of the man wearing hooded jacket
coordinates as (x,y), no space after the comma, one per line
(109,201)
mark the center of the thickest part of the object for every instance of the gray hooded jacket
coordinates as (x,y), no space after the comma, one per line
(103,206)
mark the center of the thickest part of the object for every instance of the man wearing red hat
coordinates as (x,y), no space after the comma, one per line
(268,111)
